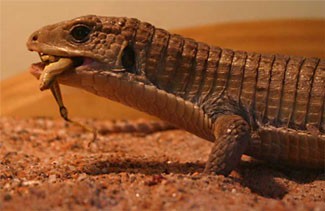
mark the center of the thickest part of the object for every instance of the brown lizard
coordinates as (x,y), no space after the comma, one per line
(270,107)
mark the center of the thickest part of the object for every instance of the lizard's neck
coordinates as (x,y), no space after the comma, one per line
(146,98)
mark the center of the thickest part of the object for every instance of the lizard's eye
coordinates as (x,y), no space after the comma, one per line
(80,33)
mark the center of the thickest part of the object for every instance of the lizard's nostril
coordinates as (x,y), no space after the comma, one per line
(35,37)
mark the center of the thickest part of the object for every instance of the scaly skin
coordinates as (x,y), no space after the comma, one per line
(268,106)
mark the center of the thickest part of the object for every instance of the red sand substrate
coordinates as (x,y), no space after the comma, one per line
(47,164)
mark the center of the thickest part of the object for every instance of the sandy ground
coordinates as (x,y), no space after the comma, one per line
(47,164)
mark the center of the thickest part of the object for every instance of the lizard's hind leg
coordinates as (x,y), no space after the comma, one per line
(232,134)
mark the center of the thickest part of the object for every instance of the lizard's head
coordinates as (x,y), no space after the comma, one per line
(94,42)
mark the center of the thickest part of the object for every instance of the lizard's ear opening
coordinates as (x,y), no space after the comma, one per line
(128,59)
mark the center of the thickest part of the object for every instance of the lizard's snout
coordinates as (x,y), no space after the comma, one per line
(32,40)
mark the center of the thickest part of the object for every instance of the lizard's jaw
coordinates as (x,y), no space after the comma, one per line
(38,68)
(52,66)
(78,63)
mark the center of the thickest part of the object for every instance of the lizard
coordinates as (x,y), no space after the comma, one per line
(270,107)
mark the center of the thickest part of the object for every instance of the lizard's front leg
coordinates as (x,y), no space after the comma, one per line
(232,134)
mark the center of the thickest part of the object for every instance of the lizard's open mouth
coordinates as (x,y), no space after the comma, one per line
(51,58)
(52,66)
(38,67)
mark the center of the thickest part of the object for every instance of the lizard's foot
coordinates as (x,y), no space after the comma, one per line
(232,133)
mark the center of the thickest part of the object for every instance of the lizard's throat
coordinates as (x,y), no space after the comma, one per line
(143,97)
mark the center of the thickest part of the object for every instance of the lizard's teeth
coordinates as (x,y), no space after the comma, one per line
(40,56)
(45,58)
(48,58)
